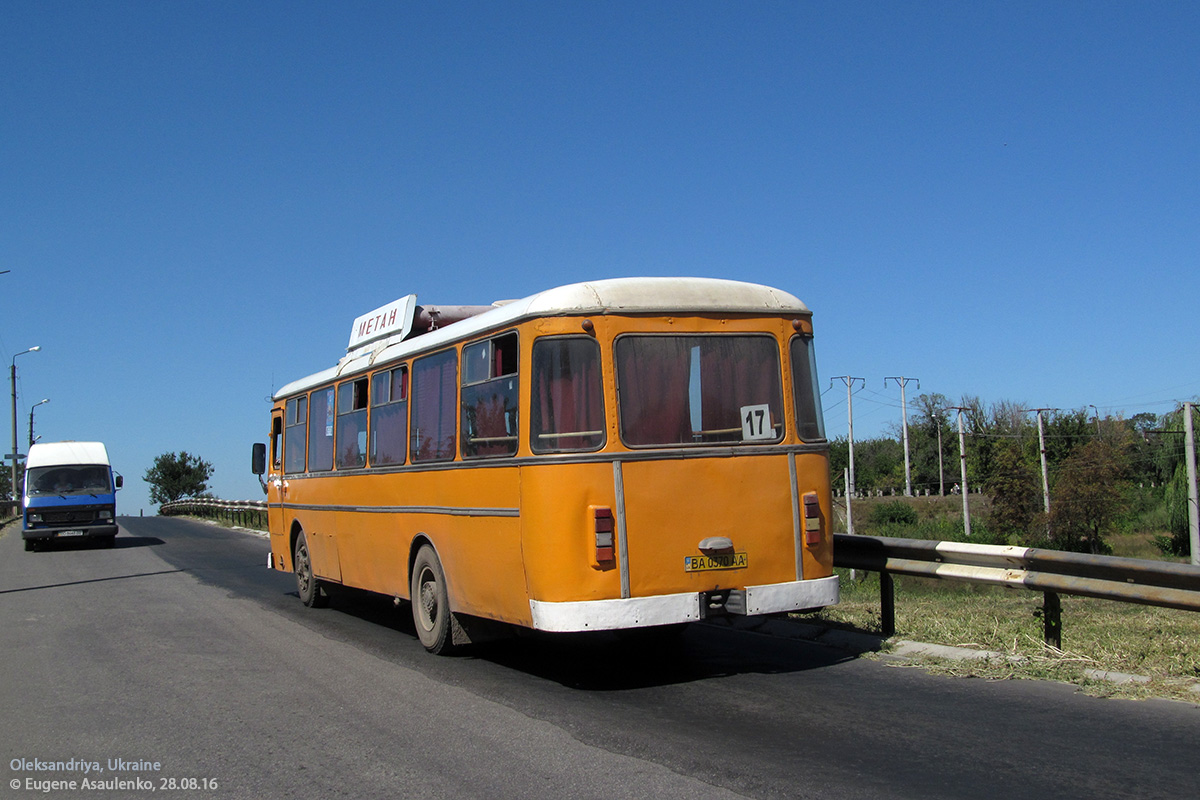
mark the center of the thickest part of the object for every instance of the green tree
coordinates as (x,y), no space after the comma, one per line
(1173,467)
(1065,431)
(5,486)
(177,475)
(929,424)
(1087,498)
(1145,444)
(1015,492)
(878,463)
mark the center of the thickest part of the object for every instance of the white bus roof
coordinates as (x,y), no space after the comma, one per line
(50,454)
(611,296)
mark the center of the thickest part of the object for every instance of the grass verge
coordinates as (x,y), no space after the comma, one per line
(1097,635)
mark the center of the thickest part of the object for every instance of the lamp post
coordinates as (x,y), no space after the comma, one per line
(31,408)
(12,376)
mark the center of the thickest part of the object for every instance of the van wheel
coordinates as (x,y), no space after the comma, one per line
(311,592)
(431,603)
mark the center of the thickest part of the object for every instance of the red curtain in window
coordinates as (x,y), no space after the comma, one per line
(653,384)
(389,431)
(567,397)
(738,372)
(435,415)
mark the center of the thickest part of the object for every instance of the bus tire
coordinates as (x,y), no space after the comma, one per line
(431,603)
(30,545)
(311,592)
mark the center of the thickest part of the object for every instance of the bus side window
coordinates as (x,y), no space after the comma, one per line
(352,424)
(434,393)
(296,434)
(389,416)
(567,407)
(320,430)
(810,424)
(490,398)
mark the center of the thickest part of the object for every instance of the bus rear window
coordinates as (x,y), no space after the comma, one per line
(695,390)
(568,404)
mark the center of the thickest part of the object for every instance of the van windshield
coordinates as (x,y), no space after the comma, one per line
(68,480)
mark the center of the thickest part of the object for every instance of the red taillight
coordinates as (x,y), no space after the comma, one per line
(812,518)
(604,525)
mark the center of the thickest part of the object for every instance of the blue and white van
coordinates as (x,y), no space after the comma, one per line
(70,493)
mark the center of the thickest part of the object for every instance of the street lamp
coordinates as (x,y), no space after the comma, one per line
(31,408)
(12,377)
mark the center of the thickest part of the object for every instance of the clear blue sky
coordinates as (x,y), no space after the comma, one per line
(1000,199)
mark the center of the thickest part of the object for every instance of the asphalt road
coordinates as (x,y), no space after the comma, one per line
(179,647)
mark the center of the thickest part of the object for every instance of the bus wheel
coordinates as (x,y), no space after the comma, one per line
(431,603)
(30,545)
(312,594)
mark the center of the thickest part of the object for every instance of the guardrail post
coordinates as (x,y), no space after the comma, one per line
(887,604)
(1052,619)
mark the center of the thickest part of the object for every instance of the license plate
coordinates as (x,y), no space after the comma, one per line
(723,561)
(71,533)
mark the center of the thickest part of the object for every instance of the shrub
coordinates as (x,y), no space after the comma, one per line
(893,512)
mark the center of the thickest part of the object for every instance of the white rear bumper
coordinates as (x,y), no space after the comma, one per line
(641,612)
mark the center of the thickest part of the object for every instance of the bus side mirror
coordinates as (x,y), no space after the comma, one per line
(120,481)
(258,459)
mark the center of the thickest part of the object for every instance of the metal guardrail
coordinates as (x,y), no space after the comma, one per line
(244,513)
(1053,572)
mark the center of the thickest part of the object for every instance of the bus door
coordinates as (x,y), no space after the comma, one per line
(274,482)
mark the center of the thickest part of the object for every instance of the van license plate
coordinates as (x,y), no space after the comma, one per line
(70,533)
(723,561)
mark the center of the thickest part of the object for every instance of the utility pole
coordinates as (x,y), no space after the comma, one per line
(16,453)
(849,516)
(1193,510)
(1042,448)
(849,381)
(937,418)
(904,421)
(1097,417)
(962,457)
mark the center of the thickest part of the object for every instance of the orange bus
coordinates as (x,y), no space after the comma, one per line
(616,454)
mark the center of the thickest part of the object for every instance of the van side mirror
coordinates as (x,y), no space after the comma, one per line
(258,459)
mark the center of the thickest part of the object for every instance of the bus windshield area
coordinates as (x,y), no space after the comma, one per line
(692,390)
(70,480)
